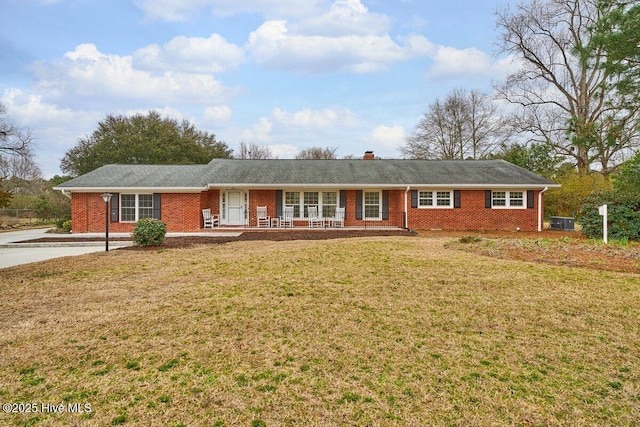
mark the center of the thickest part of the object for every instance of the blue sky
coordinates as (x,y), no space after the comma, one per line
(289,74)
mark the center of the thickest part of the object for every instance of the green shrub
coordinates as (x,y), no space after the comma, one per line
(623,215)
(149,232)
(566,200)
(66,226)
(60,222)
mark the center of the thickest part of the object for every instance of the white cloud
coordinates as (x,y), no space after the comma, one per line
(192,54)
(97,77)
(387,137)
(285,132)
(310,37)
(27,109)
(452,63)
(219,114)
(283,151)
(260,133)
(55,129)
(345,17)
(272,45)
(306,117)
(171,10)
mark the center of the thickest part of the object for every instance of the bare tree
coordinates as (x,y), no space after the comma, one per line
(560,87)
(250,150)
(13,140)
(463,125)
(16,156)
(21,167)
(317,153)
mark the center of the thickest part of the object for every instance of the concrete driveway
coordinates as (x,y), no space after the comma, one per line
(12,253)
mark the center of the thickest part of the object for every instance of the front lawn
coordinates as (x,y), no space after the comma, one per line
(362,331)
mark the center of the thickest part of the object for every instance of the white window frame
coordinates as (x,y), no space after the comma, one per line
(301,206)
(136,207)
(328,209)
(365,204)
(509,199)
(434,198)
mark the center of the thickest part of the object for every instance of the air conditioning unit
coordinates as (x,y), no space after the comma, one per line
(562,223)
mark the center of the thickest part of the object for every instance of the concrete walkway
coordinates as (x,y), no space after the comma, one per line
(14,253)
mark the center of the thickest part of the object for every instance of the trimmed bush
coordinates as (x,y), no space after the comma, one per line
(60,222)
(66,226)
(623,215)
(149,232)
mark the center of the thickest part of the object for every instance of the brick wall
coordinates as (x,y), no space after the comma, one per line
(81,203)
(472,215)
(182,212)
(261,198)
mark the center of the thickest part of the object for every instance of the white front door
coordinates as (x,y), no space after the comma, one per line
(235,208)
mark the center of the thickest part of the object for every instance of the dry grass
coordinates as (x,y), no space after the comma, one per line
(617,256)
(369,331)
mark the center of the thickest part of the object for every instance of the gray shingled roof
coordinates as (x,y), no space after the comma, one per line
(335,173)
(141,176)
(371,172)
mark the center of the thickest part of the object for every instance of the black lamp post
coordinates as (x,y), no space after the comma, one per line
(106,197)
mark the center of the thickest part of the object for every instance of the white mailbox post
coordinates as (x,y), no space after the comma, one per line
(602,210)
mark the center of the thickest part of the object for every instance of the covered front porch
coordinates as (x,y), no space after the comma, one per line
(266,209)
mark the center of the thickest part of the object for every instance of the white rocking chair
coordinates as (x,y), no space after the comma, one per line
(314,218)
(210,220)
(338,220)
(264,220)
(286,220)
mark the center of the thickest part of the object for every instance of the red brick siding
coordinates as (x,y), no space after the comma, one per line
(261,198)
(209,200)
(472,215)
(80,211)
(182,212)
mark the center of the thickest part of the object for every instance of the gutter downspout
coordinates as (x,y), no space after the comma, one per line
(540,219)
(65,193)
(406,208)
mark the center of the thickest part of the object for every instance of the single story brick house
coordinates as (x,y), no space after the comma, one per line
(414,194)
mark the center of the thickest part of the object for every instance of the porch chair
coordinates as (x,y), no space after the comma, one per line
(286,220)
(210,220)
(338,220)
(314,218)
(264,220)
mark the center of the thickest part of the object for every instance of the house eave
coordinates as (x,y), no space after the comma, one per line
(130,189)
(250,186)
(343,186)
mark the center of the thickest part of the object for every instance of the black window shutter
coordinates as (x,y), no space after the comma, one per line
(530,199)
(385,204)
(414,198)
(343,198)
(157,201)
(359,204)
(278,203)
(115,207)
(487,199)
(456,198)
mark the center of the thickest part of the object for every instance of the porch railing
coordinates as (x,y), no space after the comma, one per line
(352,219)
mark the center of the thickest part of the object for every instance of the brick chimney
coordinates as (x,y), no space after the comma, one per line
(368,155)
